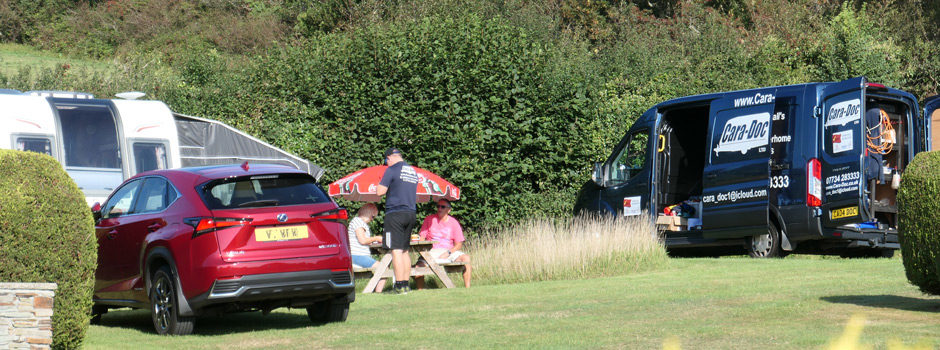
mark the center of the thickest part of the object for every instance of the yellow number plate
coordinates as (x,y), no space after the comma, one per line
(281,233)
(843,212)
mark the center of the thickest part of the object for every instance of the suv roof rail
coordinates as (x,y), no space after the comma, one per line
(10,92)
(61,94)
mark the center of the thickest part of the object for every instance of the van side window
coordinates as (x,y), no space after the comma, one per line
(631,158)
(34,144)
(149,156)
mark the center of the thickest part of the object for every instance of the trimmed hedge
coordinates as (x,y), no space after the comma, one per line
(474,100)
(919,213)
(47,235)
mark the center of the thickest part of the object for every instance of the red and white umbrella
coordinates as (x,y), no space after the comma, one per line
(361,186)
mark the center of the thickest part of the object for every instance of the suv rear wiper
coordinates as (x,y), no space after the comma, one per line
(259,203)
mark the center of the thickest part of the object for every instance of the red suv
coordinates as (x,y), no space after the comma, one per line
(193,241)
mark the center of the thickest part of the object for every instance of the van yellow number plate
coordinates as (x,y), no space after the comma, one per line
(843,212)
(281,233)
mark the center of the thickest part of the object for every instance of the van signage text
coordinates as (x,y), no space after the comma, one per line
(744,133)
(844,112)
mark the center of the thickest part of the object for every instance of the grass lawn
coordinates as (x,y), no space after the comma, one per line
(14,57)
(794,303)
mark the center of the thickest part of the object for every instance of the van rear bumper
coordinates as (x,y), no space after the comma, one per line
(872,238)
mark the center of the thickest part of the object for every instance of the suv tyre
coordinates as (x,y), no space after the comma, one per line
(164,307)
(329,311)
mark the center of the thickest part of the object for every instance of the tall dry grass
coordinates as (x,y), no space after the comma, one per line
(572,248)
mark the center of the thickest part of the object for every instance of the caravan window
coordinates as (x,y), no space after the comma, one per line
(34,144)
(631,158)
(89,137)
(149,156)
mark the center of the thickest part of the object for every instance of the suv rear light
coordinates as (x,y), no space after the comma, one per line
(876,86)
(332,215)
(203,225)
(813,183)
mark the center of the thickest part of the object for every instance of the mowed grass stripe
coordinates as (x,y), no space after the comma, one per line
(705,303)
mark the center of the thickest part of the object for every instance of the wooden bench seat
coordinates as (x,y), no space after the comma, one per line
(457,266)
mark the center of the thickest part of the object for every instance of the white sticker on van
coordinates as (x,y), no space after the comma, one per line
(844,112)
(743,133)
(631,206)
(842,141)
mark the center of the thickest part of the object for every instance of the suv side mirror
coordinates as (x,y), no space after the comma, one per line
(96,211)
(599,175)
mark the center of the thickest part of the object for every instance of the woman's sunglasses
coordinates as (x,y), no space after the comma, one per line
(443,206)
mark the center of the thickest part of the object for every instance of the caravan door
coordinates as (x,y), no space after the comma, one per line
(90,147)
(734,198)
(931,118)
(843,156)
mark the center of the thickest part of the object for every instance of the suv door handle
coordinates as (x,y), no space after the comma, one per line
(112,234)
(154,226)
(711,175)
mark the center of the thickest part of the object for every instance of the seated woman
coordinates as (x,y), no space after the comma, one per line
(360,236)
(444,229)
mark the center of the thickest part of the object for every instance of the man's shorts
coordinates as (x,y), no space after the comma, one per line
(398,227)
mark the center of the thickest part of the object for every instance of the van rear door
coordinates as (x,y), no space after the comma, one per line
(842,157)
(931,118)
(734,196)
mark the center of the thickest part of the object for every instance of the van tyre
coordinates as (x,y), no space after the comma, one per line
(164,306)
(328,311)
(766,245)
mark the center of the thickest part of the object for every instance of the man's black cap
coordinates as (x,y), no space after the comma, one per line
(391,151)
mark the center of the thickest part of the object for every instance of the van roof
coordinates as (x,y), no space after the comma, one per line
(716,95)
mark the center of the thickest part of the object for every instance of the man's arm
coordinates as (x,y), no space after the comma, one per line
(380,190)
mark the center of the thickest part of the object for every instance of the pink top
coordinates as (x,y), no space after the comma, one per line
(446,233)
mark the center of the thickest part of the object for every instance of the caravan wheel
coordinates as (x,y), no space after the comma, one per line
(766,245)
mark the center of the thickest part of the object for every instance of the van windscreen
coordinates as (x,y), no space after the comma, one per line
(262,191)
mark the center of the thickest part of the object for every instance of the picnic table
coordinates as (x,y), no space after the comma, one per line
(422,248)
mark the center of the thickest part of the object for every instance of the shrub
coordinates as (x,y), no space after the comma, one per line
(572,248)
(918,214)
(474,100)
(47,235)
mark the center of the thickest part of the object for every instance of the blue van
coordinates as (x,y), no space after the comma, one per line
(808,168)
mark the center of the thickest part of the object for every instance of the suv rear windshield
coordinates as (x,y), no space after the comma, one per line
(262,191)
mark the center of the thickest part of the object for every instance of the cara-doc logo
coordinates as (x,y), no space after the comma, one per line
(743,133)
(844,112)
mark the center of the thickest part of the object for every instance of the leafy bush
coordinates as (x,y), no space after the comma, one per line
(471,99)
(47,235)
(918,214)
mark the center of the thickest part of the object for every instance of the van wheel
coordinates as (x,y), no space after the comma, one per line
(164,308)
(766,245)
(328,311)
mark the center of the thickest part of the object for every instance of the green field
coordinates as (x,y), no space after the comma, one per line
(14,57)
(794,303)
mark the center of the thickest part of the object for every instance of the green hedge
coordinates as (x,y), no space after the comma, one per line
(474,100)
(919,213)
(47,235)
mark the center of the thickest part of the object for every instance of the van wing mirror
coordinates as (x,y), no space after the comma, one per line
(599,175)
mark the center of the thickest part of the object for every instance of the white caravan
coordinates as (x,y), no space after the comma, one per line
(101,142)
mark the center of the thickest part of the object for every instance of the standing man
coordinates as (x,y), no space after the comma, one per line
(400,182)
